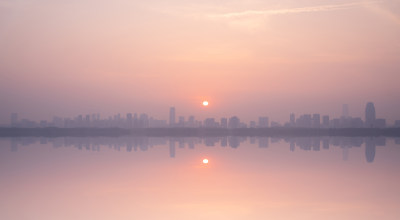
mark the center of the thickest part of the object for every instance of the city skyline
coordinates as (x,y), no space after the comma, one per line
(292,106)
(143,120)
(245,58)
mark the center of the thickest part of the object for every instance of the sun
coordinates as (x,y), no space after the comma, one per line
(205,103)
(205,161)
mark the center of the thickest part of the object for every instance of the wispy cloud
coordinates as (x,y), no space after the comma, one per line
(309,9)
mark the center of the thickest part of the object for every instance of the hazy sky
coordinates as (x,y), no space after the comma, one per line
(248,58)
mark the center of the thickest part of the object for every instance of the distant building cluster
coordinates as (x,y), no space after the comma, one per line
(143,120)
(345,121)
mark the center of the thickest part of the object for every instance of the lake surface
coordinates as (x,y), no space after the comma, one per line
(165,178)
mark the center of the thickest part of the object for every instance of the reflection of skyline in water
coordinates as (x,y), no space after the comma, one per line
(134,143)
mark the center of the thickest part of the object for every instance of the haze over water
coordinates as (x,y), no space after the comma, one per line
(74,73)
(100,178)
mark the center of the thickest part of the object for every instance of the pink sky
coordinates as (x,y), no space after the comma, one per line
(248,58)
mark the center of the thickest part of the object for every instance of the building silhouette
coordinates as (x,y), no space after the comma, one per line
(316,120)
(345,110)
(181,122)
(370,115)
(14,119)
(172,116)
(234,122)
(263,122)
(292,120)
(224,123)
(325,121)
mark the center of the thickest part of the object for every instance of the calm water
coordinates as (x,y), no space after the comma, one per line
(165,178)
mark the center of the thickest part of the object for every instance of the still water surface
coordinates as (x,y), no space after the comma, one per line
(165,178)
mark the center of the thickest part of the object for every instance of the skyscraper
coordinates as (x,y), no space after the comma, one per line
(234,122)
(14,119)
(263,122)
(370,115)
(345,110)
(292,120)
(325,121)
(316,121)
(172,117)
(181,122)
(129,120)
(224,122)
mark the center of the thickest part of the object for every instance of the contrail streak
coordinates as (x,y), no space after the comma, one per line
(292,10)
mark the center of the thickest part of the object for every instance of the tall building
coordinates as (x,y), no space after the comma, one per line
(129,120)
(234,122)
(190,122)
(316,120)
(325,121)
(172,116)
(370,115)
(181,122)
(304,121)
(345,110)
(144,120)
(263,122)
(87,121)
(210,123)
(135,120)
(224,123)
(292,120)
(14,119)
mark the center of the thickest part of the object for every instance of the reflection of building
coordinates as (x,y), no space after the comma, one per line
(292,146)
(144,143)
(224,141)
(370,149)
(325,144)
(171,148)
(233,141)
(370,115)
(263,142)
(316,144)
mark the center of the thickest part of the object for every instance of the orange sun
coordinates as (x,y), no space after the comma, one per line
(205,161)
(205,103)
